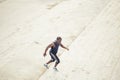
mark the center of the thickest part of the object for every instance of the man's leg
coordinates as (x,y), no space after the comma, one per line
(57,62)
(46,65)
(49,61)
(52,59)
(55,57)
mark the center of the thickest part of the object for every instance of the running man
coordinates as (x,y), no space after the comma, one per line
(53,52)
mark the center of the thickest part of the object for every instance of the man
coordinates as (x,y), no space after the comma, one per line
(53,52)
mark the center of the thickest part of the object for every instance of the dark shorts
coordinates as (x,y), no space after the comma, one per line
(54,57)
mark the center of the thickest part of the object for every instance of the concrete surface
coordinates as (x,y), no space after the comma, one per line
(90,28)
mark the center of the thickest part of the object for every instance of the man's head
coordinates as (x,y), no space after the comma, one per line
(59,39)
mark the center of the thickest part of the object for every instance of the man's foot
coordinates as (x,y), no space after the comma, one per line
(46,66)
(55,69)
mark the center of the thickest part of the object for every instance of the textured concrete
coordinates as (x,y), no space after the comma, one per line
(90,28)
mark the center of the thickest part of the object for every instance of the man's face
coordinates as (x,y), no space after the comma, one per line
(59,41)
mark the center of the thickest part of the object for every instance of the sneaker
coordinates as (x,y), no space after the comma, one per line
(46,66)
(55,69)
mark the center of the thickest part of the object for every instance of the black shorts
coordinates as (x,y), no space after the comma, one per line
(54,57)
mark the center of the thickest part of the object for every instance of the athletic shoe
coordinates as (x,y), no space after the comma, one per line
(46,66)
(55,69)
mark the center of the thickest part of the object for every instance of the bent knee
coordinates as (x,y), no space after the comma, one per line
(58,61)
(52,60)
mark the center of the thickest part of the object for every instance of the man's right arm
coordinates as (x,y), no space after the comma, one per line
(49,46)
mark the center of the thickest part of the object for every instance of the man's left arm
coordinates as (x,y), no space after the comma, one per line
(63,46)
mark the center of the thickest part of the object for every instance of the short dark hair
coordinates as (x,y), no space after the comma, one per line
(59,38)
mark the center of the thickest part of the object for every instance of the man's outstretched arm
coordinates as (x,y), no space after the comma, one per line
(63,46)
(49,46)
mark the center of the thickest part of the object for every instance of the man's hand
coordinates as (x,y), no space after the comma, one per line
(44,54)
(64,47)
(67,49)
